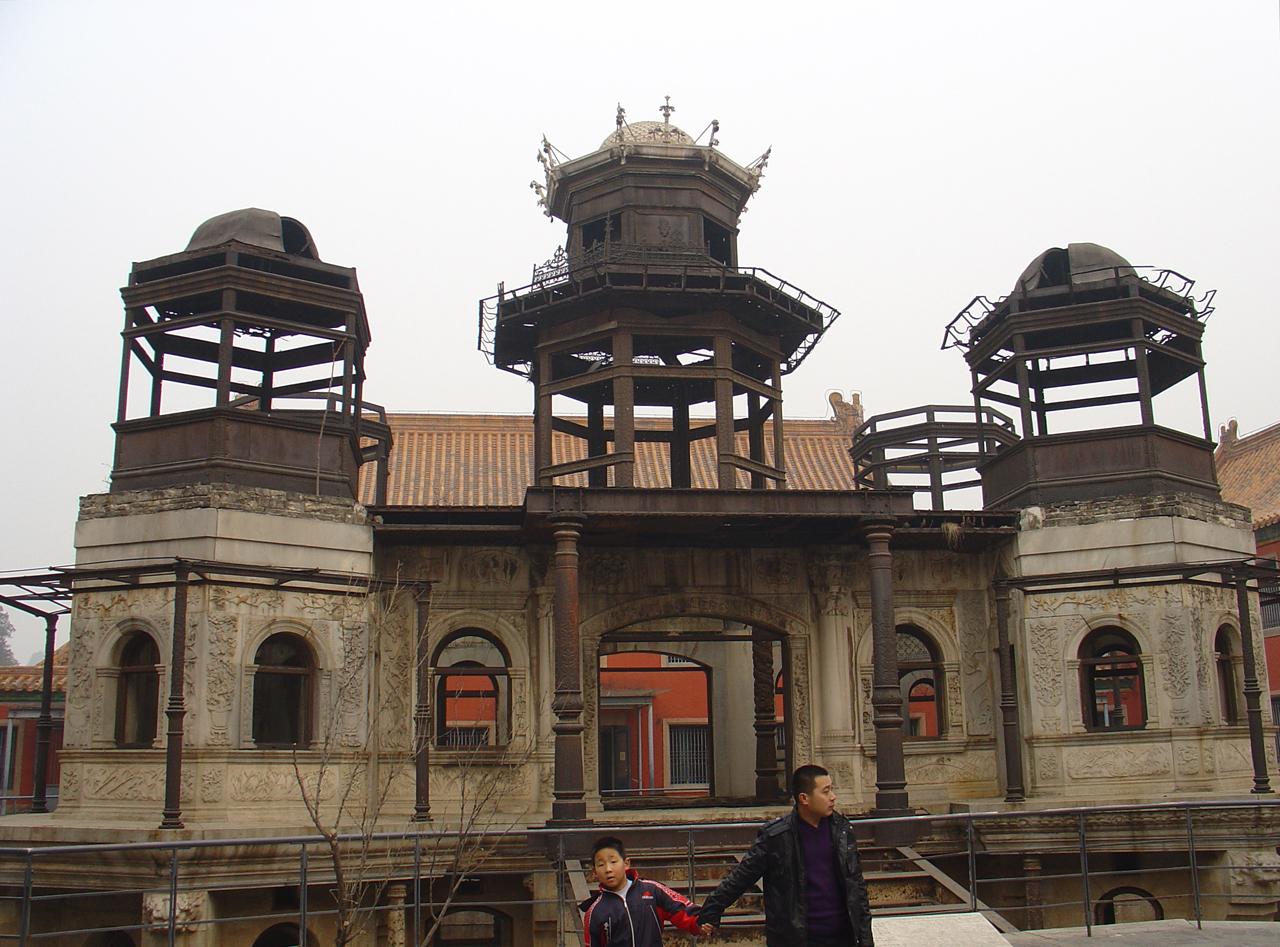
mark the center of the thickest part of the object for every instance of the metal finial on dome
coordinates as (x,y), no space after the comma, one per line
(666,110)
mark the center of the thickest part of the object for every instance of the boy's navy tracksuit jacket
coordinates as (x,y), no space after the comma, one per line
(636,921)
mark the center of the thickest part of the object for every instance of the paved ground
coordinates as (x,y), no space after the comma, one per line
(1155,934)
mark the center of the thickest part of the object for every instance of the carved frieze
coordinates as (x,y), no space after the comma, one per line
(948,769)
(211,785)
(489,569)
(188,909)
(1048,766)
(776,570)
(1188,760)
(1114,762)
(220,672)
(124,782)
(975,664)
(1176,655)
(802,724)
(605,572)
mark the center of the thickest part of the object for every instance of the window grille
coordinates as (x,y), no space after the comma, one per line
(688,754)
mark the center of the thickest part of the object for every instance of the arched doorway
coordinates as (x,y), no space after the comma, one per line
(691,709)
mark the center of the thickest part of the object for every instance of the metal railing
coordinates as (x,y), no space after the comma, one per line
(1084,859)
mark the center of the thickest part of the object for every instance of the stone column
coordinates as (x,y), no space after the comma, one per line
(1252,692)
(886,697)
(44,726)
(422,735)
(1031,870)
(176,710)
(569,786)
(766,720)
(394,923)
(1013,791)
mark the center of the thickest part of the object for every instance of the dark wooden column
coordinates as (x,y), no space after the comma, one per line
(44,725)
(1013,791)
(624,413)
(726,472)
(176,710)
(569,788)
(766,720)
(422,735)
(1252,692)
(886,694)
(681,469)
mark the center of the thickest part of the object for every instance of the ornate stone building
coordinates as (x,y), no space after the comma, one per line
(290,597)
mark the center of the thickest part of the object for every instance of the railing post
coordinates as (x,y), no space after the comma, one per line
(1084,877)
(973,866)
(693,883)
(24,926)
(561,884)
(1195,875)
(173,897)
(417,890)
(302,895)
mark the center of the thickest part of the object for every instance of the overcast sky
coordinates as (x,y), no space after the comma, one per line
(923,153)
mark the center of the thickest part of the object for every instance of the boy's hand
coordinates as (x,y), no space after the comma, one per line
(706,930)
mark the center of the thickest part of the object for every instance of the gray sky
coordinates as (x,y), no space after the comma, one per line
(923,153)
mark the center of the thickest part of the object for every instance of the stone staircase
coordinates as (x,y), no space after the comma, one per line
(899,882)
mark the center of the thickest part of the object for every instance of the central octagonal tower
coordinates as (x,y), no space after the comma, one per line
(645,309)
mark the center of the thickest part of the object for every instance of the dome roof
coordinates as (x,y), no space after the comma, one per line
(1081,263)
(650,133)
(258,228)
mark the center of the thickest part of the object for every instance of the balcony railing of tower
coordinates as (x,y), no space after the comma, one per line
(972,322)
(932,441)
(646,267)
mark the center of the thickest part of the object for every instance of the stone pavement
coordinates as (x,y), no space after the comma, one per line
(1150,934)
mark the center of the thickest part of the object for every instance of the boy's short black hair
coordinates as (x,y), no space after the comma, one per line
(609,841)
(805,778)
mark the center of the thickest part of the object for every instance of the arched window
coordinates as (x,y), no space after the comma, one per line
(1228,683)
(283,935)
(920,680)
(473,691)
(474,927)
(1127,905)
(138,691)
(282,692)
(1111,685)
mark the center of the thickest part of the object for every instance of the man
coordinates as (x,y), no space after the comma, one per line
(814,895)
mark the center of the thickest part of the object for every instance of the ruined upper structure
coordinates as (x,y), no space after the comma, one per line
(275,339)
(1084,339)
(646,310)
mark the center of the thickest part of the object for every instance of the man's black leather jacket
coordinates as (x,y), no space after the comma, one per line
(778,857)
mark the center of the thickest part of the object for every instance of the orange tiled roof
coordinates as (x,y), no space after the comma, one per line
(30,677)
(487,459)
(1249,471)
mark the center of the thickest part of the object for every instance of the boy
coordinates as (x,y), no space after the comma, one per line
(628,911)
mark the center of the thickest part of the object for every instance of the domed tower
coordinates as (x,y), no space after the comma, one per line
(1086,341)
(253,350)
(645,311)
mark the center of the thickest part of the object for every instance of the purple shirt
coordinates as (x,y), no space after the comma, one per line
(827,912)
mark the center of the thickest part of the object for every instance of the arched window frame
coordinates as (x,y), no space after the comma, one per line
(502,926)
(912,673)
(1103,657)
(445,735)
(268,677)
(137,690)
(1228,662)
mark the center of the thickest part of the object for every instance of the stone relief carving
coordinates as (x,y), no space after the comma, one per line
(975,665)
(1177,659)
(1048,766)
(263,785)
(1050,724)
(1234,756)
(128,783)
(868,727)
(490,568)
(211,783)
(944,770)
(353,690)
(832,602)
(801,726)
(1250,869)
(223,598)
(70,785)
(398,669)
(188,909)
(146,601)
(1118,762)
(1188,760)
(220,674)
(606,571)
(1046,662)
(776,570)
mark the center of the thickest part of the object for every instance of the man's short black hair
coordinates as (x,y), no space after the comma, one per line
(609,841)
(804,779)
